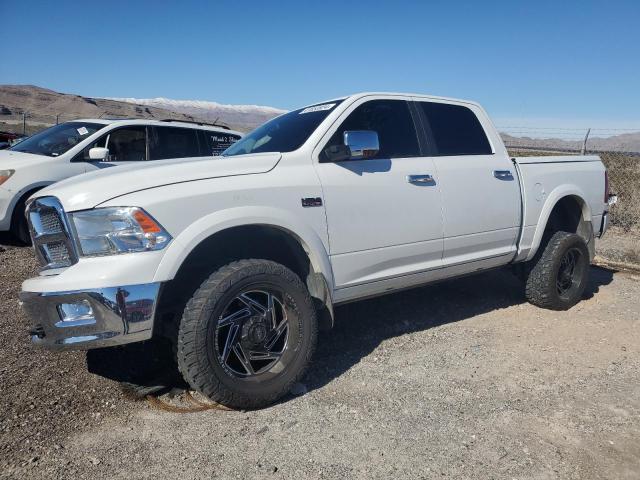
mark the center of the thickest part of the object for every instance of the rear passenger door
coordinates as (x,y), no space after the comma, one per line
(480,192)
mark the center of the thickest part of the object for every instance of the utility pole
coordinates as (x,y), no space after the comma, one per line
(24,123)
(584,144)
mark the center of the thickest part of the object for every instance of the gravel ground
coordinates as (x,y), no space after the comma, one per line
(47,397)
(457,380)
(620,246)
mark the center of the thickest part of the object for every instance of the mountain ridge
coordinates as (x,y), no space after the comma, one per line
(242,117)
(43,102)
(45,106)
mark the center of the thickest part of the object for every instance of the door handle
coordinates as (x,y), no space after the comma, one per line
(503,174)
(421,180)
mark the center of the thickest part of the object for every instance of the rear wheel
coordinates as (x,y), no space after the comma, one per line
(247,334)
(559,276)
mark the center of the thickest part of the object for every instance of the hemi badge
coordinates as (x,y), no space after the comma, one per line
(312,202)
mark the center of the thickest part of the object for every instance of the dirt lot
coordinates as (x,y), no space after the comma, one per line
(458,380)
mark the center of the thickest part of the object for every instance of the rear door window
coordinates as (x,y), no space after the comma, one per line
(393,122)
(454,129)
(173,142)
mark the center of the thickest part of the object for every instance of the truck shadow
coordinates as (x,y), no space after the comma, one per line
(360,327)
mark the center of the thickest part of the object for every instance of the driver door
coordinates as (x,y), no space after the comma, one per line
(383,224)
(126,144)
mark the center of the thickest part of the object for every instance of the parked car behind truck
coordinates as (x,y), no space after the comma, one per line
(73,148)
(240,259)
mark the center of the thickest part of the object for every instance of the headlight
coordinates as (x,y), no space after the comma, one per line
(108,231)
(5,175)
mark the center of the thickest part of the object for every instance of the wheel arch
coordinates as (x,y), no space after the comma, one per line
(267,234)
(22,196)
(564,210)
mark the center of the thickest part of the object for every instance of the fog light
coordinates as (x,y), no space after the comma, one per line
(73,312)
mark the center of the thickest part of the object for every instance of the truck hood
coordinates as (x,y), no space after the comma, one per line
(91,189)
(16,160)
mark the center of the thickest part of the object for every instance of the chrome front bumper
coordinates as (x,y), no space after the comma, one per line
(84,319)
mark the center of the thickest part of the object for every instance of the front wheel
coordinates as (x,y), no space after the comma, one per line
(247,334)
(19,225)
(559,275)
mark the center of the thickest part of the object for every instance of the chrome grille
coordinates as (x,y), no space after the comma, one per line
(58,252)
(50,222)
(50,233)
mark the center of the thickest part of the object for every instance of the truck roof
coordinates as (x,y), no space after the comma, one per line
(168,122)
(356,96)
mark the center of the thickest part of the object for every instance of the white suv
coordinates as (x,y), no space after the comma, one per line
(81,146)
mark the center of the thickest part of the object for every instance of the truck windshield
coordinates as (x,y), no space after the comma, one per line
(285,133)
(58,139)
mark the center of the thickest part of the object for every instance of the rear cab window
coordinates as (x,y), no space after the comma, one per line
(454,130)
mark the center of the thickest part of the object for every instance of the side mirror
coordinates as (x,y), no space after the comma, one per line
(358,145)
(98,153)
(362,143)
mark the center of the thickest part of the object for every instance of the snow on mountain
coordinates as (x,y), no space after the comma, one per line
(239,117)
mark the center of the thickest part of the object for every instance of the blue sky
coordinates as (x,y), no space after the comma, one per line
(558,63)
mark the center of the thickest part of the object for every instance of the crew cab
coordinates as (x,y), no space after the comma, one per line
(238,260)
(84,145)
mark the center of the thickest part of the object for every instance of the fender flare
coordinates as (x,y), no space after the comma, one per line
(560,192)
(182,245)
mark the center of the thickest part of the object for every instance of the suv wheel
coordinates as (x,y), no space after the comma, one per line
(247,334)
(19,225)
(559,276)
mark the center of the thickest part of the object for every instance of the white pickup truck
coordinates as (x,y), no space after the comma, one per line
(85,145)
(237,260)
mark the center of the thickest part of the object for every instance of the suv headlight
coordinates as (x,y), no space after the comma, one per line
(5,175)
(109,231)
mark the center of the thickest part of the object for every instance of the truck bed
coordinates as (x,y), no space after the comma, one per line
(544,180)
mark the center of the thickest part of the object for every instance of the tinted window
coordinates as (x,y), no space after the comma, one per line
(455,130)
(214,143)
(58,139)
(391,119)
(172,142)
(285,133)
(128,144)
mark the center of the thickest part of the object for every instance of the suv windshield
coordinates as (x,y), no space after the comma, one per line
(285,133)
(58,139)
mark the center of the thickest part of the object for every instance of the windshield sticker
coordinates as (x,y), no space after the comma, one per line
(318,108)
(82,130)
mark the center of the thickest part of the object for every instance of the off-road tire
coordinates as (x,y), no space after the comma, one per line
(197,359)
(542,289)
